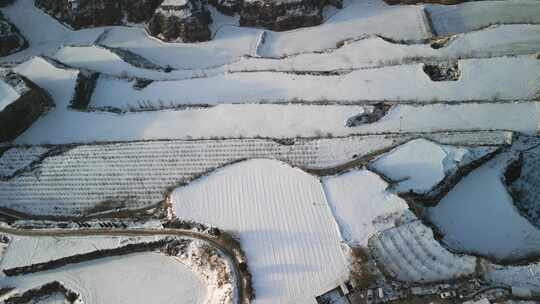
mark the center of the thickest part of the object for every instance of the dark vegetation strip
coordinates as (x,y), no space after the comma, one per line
(45,290)
(222,240)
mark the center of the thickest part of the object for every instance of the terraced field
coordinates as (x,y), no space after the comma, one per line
(381,149)
(93,178)
(410,253)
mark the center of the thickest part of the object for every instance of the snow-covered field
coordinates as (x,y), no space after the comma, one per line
(16,159)
(480,79)
(362,206)
(359,18)
(466,17)
(115,280)
(7,95)
(410,253)
(232,42)
(65,126)
(478,216)
(420,165)
(138,174)
(367,51)
(25,250)
(524,276)
(283,221)
(46,37)
(274,159)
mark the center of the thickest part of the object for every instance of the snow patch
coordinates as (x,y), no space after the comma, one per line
(283,221)
(478,216)
(362,206)
(420,164)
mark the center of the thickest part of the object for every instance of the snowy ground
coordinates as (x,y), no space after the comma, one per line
(91,174)
(476,15)
(25,251)
(115,280)
(294,227)
(419,165)
(46,37)
(359,18)
(367,51)
(362,206)
(283,221)
(479,80)
(65,126)
(7,95)
(410,253)
(17,159)
(478,216)
(524,276)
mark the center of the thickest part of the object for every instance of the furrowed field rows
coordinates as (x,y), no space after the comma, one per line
(410,253)
(16,159)
(138,174)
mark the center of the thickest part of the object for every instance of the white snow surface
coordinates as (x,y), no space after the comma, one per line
(284,223)
(523,276)
(43,32)
(114,280)
(228,44)
(368,51)
(16,159)
(7,95)
(25,251)
(478,216)
(362,206)
(410,253)
(356,19)
(452,19)
(507,78)
(75,181)
(64,126)
(419,165)
(285,218)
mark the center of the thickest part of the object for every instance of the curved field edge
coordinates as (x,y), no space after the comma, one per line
(324,157)
(529,261)
(221,244)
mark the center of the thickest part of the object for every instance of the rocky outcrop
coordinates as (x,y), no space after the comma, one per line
(379,111)
(83,13)
(227,7)
(42,292)
(283,15)
(88,13)
(32,102)
(11,41)
(443,71)
(185,20)
(168,20)
(137,11)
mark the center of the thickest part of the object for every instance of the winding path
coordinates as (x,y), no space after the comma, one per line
(241,283)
